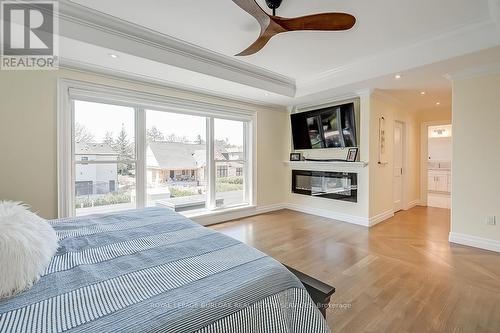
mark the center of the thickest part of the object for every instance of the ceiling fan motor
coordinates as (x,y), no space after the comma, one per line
(273,4)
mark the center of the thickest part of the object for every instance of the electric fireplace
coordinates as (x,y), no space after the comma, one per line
(331,185)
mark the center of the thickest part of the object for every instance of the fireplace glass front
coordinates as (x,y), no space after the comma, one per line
(332,185)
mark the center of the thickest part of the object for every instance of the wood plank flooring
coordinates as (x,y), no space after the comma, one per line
(400,276)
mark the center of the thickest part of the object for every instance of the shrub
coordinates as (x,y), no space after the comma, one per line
(177,192)
(108,199)
(230,180)
(228,187)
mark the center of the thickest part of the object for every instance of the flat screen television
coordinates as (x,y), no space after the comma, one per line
(332,127)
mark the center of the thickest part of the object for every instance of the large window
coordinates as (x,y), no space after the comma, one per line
(176,160)
(123,153)
(104,158)
(230,160)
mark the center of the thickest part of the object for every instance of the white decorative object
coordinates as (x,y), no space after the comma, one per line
(382,154)
(27,244)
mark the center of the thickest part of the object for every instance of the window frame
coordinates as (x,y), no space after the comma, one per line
(71,90)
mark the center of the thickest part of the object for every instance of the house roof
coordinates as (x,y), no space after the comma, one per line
(179,156)
(82,148)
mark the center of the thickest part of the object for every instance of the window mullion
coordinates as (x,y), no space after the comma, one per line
(71,211)
(246,171)
(140,151)
(211,169)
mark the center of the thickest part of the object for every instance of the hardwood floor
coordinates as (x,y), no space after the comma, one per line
(400,276)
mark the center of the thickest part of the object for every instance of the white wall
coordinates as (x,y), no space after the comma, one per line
(440,149)
(476,159)
(28,133)
(381,176)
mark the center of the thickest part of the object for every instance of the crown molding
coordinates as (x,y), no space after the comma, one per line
(91,26)
(128,77)
(332,100)
(469,73)
(460,40)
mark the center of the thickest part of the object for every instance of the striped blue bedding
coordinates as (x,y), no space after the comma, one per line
(153,270)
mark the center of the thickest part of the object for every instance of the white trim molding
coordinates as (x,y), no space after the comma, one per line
(135,78)
(325,166)
(224,215)
(374,220)
(474,241)
(468,38)
(484,70)
(342,217)
(412,204)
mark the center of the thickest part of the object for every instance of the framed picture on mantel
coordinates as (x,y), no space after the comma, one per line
(352,153)
(295,157)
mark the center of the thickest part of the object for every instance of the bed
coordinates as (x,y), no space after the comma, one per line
(153,270)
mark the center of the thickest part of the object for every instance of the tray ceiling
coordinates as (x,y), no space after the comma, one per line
(221,26)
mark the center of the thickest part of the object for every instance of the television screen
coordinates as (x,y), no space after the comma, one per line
(331,130)
(333,127)
(314,132)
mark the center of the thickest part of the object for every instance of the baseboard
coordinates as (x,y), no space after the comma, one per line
(479,242)
(412,204)
(242,212)
(330,214)
(233,214)
(380,217)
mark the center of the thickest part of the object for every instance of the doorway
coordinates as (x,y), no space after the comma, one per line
(399,153)
(439,156)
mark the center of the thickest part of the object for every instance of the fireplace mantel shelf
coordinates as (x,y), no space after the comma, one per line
(324,166)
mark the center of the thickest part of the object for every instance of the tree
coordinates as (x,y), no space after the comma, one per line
(154,134)
(108,139)
(222,143)
(199,140)
(176,138)
(124,150)
(82,134)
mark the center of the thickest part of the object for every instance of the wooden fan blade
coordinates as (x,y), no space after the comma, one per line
(273,25)
(252,8)
(256,46)
(268,28)
(325,22)
(272,30)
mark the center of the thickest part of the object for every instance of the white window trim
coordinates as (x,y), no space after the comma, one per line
(70,90)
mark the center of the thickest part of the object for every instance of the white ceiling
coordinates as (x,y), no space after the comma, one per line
(221,26)
(190,44)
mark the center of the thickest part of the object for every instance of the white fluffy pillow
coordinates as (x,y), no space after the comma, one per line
(27,244)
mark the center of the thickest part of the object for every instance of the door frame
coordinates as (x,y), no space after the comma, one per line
(404,164)
(424,153)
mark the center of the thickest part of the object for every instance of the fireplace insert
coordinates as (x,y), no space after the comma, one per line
(332,185)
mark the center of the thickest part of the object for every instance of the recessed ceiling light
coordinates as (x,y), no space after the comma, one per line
(422,93)
(112,55)
(438,103)
(397,76)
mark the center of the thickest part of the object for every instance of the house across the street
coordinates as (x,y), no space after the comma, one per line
(95,179)
(169,162)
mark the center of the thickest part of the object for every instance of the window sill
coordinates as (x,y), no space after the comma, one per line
(220,215)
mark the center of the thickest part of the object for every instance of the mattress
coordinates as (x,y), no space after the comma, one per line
(153,270)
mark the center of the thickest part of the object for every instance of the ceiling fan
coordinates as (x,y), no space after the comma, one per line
(271,25)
